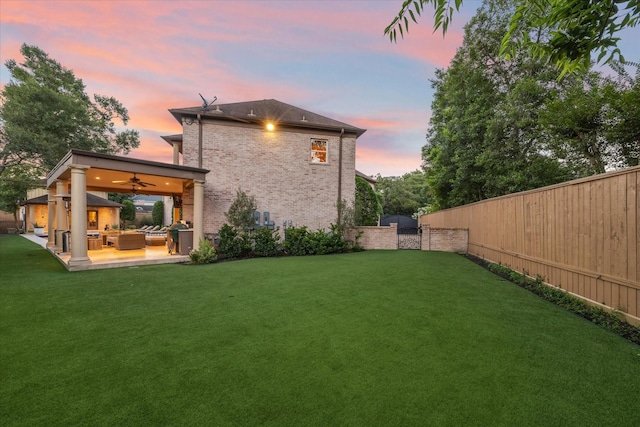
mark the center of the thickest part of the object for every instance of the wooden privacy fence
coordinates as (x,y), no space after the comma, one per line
(582,236)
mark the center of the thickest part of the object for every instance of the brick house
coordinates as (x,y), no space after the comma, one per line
(296,163)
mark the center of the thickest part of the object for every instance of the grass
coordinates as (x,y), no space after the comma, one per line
(372,338)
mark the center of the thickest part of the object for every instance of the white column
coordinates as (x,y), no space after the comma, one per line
(61,213)
(78,216)
(51,218)
(168,207)
(198,212)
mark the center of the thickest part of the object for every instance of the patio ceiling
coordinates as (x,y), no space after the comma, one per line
(167,179)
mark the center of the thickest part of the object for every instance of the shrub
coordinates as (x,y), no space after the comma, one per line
(300,241)
(157,214)
(233,244)
(355,245)
(205,254)
(266,242)
(296,241)
(240,213)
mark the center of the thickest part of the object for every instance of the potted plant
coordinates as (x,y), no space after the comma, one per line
(38,229)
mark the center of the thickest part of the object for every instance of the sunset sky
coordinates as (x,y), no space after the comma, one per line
(329,57)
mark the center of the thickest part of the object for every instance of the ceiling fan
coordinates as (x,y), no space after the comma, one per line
(133,181)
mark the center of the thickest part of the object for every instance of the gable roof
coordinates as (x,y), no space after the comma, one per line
(369,179)
(261,112)
(92,201)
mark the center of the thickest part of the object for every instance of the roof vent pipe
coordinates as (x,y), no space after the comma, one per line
(251,114)
(217,110)
(304,119)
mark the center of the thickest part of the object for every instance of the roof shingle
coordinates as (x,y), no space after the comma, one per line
(264,111)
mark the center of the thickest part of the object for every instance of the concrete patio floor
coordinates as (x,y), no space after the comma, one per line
(108,257)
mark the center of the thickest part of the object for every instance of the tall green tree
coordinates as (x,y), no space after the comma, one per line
(45,112)
(594,123)
(576,123)
(565,32)
(403,195)
(366,206)
(128,211)
(14,186)
(485,138)
(624,115)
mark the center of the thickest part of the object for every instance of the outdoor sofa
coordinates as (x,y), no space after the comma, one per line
(127,241)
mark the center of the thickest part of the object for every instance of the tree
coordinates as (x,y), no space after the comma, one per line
(367,206)
(594,123)
(119,197)
(240,213)
(624,115)
(157,214)
(566,32)
(13,188)
(403,195)
(128,211)
(485,138)
(576,123)
(45,112)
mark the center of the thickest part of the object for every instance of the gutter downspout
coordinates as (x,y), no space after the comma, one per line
(199,141)
(339,204)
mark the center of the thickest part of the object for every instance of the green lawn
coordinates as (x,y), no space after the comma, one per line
(384,338)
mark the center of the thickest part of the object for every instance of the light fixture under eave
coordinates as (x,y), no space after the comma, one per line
(270,127)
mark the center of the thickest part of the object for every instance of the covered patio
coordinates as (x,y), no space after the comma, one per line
(81,171)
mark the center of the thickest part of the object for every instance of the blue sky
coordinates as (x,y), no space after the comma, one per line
(329,57)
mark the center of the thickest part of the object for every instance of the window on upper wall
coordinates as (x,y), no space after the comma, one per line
(318,150)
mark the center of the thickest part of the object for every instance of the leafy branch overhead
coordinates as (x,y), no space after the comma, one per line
(45,112)
(564,32)
(500,126)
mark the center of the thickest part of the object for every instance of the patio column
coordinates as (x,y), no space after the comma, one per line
(78,216)
(51,218)
(198,212)
(61,213)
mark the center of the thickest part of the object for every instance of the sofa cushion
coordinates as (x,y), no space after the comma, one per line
(128,241)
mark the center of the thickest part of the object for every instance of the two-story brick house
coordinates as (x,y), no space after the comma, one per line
(296,163)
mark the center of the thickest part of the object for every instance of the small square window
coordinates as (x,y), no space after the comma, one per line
(318,150)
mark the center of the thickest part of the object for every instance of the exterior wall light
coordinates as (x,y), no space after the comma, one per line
(270,127)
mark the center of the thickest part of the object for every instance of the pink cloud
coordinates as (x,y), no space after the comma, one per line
(153,56)
(372,161)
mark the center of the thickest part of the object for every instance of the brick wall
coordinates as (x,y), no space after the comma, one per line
(445,239)
(274,167)
(433,239)
(376,237)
